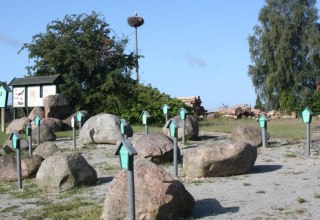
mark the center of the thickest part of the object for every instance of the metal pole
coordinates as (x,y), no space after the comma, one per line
(30,144)
(2,119)
(166,118)
(137,64)
(263,133)
(131,201)
(184,132)
(308,140)
(74,136)
(146,129)
(38,134)
(19,168)
(80,124)
(175,156)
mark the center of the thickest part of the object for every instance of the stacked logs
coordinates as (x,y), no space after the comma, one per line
(195,102)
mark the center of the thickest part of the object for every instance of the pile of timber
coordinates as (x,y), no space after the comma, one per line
(245,110)
(195,103)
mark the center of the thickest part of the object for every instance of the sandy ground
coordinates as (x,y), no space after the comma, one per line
(284,184)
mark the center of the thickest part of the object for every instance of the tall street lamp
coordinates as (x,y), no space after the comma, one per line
(136,22)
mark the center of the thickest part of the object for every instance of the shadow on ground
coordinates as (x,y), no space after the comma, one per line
(211,207)
(104,180)
(265,168)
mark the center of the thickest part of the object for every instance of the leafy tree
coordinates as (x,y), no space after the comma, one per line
(91,61)
(259,104)
(285,53)
(315,104)
(96,70)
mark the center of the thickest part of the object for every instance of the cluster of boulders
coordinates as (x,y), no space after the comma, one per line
(57,171)
(55,116)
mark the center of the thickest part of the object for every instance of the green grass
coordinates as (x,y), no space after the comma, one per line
(277,128)
(75,208)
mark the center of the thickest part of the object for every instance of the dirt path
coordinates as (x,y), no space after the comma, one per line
(284,184)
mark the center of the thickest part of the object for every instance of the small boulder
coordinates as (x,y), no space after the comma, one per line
(17,125)
(29,167)
(158,195)
(248,133)
(101,129)
(191,130)
(45,134)
(223,158)
(61,172)
(53,123)
(156,147)
(47,149)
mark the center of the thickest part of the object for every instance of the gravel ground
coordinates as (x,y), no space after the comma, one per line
(284,184)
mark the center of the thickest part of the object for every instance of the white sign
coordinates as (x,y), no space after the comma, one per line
(49,90)
(19,98)
(72,122)
(34,99)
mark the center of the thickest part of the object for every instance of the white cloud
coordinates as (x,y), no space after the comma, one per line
(9,41)
(195,61)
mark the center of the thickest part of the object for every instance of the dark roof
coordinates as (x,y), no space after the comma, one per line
(5,86)
(37,80)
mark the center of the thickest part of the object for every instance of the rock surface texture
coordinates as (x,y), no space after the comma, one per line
(65,171)
(157,195)
(224,158)
(101,129)
(156,147)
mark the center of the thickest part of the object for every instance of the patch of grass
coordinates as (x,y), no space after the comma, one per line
(74,191)
(105,166)
(290,155)
(9,209)
(301,200)
(317,195)
(301,210)
(260,192)
(268,160)
(76,208)
(247,184)
(197,181)
(29,190)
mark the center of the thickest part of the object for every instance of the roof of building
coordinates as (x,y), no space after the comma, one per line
(37,80)
(5,86)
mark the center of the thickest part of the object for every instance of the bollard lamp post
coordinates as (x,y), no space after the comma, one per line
(173,126)
(165,109)
(262,120)
(124,128)
(73,125)
(28,131)
(79,118)
(126,152)
(15,139)
(145,117)
(183,116)
(307,118)
(37,121)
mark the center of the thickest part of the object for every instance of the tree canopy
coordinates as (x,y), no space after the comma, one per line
(95,68)
(285,54)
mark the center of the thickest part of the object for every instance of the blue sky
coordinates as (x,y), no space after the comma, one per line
(190,48)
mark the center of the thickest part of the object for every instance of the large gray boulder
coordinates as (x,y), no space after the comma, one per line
(17,125)
(47,149)
(224,158)
(156,147)
(158,195)
(101,129)
(54,124)
(248,133)
(45,134)
(61,172)
(8,167)
(191,130)
(57,106)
